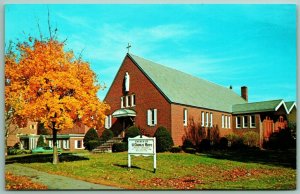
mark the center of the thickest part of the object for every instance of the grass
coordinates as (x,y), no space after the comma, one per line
(174,170)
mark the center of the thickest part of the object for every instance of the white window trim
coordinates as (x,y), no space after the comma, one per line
(223,122)
(229,122)
(122,102)
(76,145)
(202,119)
(251,126)
(211,120)
(207,119)
(152,117)
(127,101)
(50,143)
(226,119)
(185,115)
(236,122)
(106,122)
(132,100)
(244,122)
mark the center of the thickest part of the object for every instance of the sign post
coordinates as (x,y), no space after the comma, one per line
(142,146)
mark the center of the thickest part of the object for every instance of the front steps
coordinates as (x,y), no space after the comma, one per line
(107,146)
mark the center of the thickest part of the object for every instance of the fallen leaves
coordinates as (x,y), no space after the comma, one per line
(14,182)
(186,183)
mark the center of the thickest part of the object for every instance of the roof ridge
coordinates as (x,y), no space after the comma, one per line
(260,102)
(193,76)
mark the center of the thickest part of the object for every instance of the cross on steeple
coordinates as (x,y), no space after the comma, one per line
(128,47)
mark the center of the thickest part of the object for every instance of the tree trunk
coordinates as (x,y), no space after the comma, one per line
(55,153)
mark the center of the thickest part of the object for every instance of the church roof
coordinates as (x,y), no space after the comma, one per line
(185,89)
(290,105)
(256,107)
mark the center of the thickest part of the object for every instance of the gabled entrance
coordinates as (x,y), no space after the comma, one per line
(125,119)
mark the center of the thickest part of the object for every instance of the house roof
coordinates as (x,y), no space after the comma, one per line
(182,88)
(254,107)
(290,105)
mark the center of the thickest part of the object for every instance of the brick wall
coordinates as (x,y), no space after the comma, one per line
(146,95)
(179,131)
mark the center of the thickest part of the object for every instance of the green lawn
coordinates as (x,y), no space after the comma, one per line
(215,170)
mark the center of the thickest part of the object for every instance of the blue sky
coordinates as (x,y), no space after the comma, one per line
(252,45)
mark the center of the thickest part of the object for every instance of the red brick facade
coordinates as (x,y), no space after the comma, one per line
(147,96)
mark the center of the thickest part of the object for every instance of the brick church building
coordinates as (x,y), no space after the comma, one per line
(148,95)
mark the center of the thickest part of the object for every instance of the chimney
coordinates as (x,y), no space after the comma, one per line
(244,92)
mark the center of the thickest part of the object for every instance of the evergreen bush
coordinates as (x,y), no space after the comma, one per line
(132,131)
(40,142)
(175,149)
(107,134)
(120,147)
(90,138)
(164,140)
(223,143)
(187,144)
(204,145)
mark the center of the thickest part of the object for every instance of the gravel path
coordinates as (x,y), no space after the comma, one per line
(54,182)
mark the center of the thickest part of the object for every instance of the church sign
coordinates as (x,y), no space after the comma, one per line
(142,146)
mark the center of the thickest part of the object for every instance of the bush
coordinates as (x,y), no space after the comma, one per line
(204,145)
(132,131)
(14,151)
(164,140)
(251,139)
(107,134)
(223,143)
(93,144)
(280,140)
(175,149)
(40,142)
(187,144)
(190,150)
(90,138)
(120,147)
(235,141)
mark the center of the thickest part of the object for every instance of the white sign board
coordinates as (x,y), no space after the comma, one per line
(142,146)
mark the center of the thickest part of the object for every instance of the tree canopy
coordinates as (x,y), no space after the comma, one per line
(47,84)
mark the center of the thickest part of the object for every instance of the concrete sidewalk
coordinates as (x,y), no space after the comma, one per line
(54,182)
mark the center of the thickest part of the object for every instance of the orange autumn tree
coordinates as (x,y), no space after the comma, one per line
(47,84)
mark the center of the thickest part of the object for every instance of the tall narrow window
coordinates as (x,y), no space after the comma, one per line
(229,122)
(185,116)
(133,100)
(58,143)
(226,117)
(211,120)
(222,121)
(245,121)
(152,117)
(207,118)
(202,119)
(109,121)
(252,121)
(238,122)
(122,102)
(106,122)
(127,101)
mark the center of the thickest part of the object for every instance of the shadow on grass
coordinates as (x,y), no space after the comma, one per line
(44,158)
(285,158)
(132,167)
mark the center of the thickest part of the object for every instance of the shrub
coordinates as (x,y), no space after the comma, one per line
(223,143)
(190,150)
(164,140)
(187,144)
(204,145)
(93,144)
(132,131)
(175,149)
(235,141)
(280,140)
(40,142)
(107,134)
(90,138)
(120,147)
(251,139)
